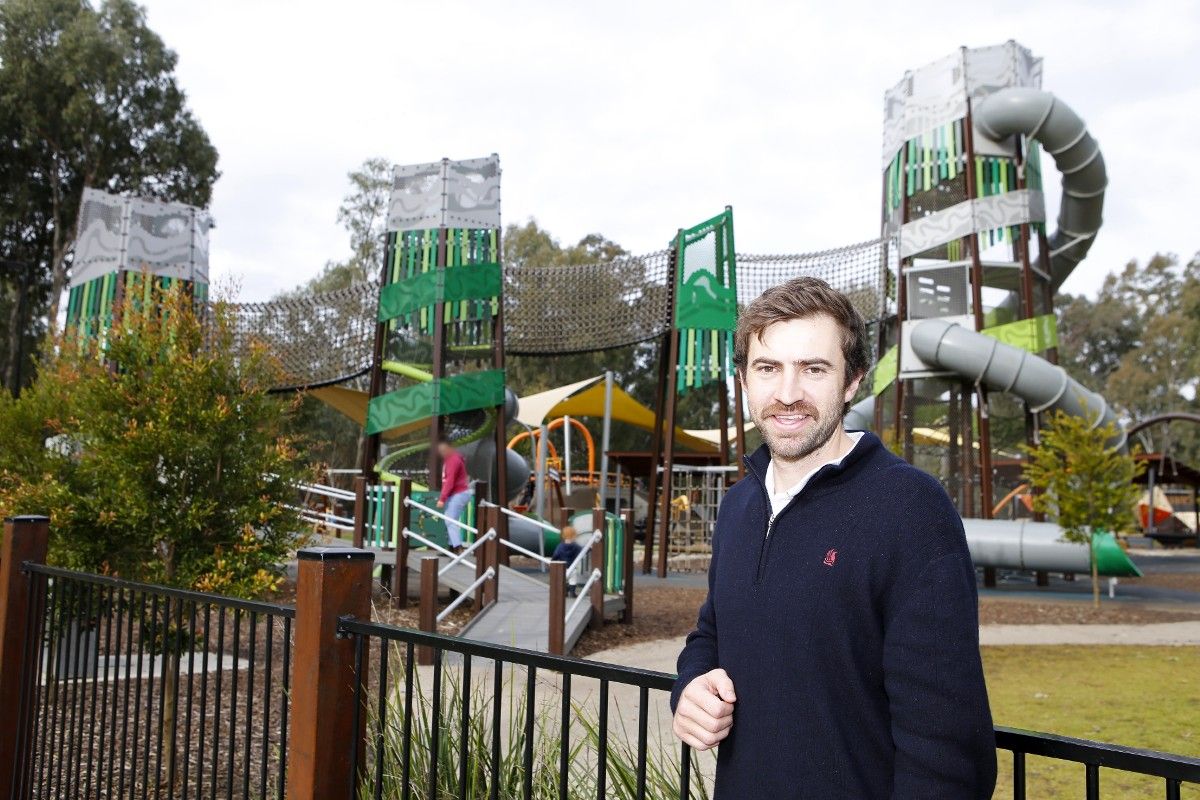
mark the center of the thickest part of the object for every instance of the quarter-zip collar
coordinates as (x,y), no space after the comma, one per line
(826,478)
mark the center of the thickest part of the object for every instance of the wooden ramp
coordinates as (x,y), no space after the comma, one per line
(519,618)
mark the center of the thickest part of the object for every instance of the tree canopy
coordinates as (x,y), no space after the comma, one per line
(88,98)
(1137,344)
(158,454)
(1081,482)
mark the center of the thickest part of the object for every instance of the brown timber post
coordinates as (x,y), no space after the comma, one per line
(428,608)
(558,607)
(627,571)
(360,510)
(501,498)
(600,524)
(331,582)
(25,539)
(656,442)
(400,576)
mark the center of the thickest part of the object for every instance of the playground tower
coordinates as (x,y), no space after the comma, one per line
(963,205)
(438,361)
(123,238)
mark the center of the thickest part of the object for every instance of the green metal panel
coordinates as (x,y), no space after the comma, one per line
(466,392)
(451,285)
(1034,335)
(885,370)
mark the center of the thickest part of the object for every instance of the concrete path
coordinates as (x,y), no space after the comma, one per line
(1164,633)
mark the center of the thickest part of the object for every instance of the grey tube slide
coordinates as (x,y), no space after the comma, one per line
(1004,368)
(1001,367)
(1041,116)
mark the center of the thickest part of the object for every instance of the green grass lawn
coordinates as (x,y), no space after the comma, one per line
(1137,696)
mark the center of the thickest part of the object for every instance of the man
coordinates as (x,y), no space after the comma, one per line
(837,653)
(456,490)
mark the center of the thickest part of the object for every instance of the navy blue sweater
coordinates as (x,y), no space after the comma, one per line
(850,633)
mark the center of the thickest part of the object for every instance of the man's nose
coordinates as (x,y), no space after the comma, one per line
(792,389)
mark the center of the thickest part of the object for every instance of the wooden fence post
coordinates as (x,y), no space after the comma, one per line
(428,607)
(599,523)
(360,510)
(558,607)
(627,570)
(25,539)
(331,582)
(400,576)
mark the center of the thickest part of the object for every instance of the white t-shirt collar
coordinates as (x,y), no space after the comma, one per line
(779,500)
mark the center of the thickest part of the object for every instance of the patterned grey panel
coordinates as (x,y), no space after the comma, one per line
(416,201)
(124,233)
(937,93)
(473,193)
(956,222)
(990,69)
(927,97)
(160,238)
(98,248)
(457,194)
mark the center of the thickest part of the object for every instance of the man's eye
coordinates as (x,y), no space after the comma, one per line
(815,370)
(766,368)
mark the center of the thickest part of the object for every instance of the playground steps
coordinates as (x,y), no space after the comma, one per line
(519,618)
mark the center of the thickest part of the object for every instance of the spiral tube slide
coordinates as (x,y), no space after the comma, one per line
(1043,117)
(1004,368)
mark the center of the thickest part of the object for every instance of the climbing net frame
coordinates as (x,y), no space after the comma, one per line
(328,338)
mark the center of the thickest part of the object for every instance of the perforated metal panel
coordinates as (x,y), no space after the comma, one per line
(128,233)
(456,194)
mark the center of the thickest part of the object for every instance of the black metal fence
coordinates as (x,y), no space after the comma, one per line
(487,721)
(1092,756)
(113,689)
(142,691)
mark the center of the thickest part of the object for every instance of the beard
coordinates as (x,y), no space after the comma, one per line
(799,445)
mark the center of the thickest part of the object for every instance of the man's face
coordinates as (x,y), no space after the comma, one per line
(795,385)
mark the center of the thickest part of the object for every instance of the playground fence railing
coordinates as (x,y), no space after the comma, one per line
(128,688)
(122,689)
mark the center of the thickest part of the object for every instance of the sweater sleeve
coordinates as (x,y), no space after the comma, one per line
(455,467)
(699,654)
(933,675)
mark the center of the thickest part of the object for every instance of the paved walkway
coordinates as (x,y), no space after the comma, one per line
(1164,633)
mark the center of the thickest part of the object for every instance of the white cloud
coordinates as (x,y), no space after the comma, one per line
(632,119)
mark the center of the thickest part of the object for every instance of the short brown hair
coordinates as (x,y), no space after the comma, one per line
(801,298)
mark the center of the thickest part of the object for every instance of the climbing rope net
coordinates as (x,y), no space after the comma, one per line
(323,339)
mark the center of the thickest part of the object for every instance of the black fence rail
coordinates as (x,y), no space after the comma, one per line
(143,691)
(487,721)
(113,689)
(1173,770)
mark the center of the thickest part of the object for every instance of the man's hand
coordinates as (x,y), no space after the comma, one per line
(441,504)
(704,714)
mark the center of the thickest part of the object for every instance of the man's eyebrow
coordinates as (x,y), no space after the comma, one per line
(813,362)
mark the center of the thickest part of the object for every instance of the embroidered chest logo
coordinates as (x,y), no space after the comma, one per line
(830,558)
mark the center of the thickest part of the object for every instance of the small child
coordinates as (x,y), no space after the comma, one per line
(568,550)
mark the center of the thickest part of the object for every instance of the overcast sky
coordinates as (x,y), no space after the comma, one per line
(633,119)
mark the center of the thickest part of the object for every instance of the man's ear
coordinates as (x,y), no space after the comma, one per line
(852,387)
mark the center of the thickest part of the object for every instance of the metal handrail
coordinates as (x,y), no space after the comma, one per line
(543,525)
(327,491)
(583,593)
(523,551)
(475,584)
(491,534)
(325,515)
(585,551)
(433,545)
(408,501)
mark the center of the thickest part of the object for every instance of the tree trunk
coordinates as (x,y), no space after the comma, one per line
(1095,573)
(16,332)
(173,643)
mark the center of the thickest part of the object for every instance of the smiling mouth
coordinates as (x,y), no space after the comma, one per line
(791,421)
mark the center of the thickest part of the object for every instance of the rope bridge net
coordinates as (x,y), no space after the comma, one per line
(327,338)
